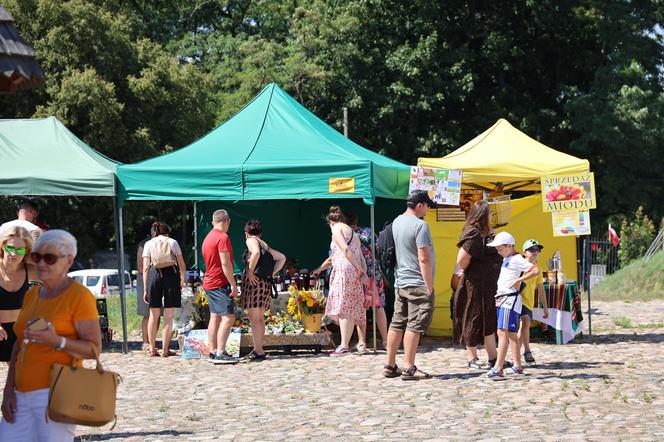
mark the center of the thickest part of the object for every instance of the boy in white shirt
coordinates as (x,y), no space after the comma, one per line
(514,270)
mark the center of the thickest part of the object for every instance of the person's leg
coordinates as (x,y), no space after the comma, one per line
(393,342)
(381,324)
(144,331)
(213,327)
(411,340)
(490,346)
(362,335)
(502,349)
(471,353)
(167,330)
(23,426)
(524,333)
(224,330)
(256,318)
(346,325)
(515,345)
(153,326)
(397,327)
(48,431)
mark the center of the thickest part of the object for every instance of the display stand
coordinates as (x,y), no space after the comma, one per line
(287,342)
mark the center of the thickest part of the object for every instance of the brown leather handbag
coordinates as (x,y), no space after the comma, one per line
(82,396)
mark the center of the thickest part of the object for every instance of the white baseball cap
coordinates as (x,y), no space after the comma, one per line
(502,239)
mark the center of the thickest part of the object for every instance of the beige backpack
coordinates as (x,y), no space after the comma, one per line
(161,255)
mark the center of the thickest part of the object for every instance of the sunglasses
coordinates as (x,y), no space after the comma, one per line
(20,251)
(49,258)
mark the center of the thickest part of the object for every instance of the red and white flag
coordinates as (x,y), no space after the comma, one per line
(613,236)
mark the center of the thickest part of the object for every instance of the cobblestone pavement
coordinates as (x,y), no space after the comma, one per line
(608,387)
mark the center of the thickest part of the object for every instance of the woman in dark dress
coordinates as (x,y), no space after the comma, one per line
(474,304)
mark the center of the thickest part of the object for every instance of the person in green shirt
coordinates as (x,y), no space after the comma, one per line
(531,251)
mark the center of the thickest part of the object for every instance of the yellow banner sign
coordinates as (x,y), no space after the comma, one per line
(562,193)
(342,185)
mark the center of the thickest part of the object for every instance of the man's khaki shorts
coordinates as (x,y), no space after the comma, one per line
(413,309)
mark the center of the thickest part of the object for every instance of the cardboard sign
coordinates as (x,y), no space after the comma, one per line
(562,193)
(196,344)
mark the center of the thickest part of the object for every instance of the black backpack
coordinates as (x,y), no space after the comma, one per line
(385,253)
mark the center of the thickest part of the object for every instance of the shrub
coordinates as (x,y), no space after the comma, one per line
(635,237)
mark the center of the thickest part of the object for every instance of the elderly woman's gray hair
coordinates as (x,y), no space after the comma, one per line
(60,240)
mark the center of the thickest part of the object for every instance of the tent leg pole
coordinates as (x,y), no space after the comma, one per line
(195,235)
(121,272)
(374,295)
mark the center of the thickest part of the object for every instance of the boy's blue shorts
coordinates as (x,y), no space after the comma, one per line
(508,319)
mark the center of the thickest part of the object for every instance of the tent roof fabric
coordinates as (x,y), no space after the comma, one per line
(274,148)
(18,68)
(42,157)
(504,154)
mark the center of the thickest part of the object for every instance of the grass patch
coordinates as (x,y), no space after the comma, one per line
(115,315)
(623,321)
(638,281)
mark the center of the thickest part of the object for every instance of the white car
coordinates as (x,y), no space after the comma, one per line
(102,282)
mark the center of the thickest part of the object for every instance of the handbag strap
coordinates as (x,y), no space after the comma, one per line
(100,367)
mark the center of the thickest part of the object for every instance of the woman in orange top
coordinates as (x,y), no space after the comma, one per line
(69,327)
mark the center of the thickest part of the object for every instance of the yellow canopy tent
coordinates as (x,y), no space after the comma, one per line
(501,159)
(504,158)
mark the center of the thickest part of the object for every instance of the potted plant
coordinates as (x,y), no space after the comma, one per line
(307,305)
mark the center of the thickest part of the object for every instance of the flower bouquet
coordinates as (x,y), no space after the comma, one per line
(307,305)
(281,323)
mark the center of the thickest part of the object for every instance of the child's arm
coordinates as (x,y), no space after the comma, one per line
(542,298)
(531,273)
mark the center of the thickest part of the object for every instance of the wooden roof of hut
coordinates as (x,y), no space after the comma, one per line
(18,68)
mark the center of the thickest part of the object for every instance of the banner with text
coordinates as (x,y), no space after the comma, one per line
(562,193)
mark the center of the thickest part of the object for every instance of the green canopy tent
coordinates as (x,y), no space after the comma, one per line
(272,149)
(42,157)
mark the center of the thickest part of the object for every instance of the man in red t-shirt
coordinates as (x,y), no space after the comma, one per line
(220,287)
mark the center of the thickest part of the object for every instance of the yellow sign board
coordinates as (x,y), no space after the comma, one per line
(562,193)
(342,185)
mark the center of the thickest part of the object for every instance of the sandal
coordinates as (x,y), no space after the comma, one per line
(153,353)
(410,374)
(253,356)
(167,353)
(391,372)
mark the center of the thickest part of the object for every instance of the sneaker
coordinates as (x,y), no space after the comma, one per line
(495,375)
(528,356)
(224,359)
(516,370)
(340,351)
(475,364)
(211,356)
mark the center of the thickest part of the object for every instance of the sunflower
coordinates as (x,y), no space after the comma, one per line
(565,193)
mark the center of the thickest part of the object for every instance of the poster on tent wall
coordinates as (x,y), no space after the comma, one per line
(572,223)
(561,193)
(443,185)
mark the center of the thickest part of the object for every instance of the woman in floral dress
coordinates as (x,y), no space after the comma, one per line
(364,233)
(345,302)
